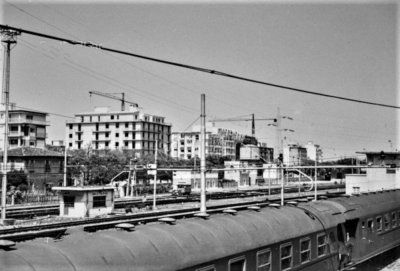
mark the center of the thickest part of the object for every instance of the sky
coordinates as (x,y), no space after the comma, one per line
(346,49)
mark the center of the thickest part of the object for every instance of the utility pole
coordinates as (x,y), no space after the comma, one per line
(253,126)
(203,209)
(279,142)
(155,176)
(8,39)
(65,166)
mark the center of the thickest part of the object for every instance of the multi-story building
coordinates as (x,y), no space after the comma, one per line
(219,142)
(44,168)
(314,152)
(26,128)
(294,155)
(124,130)
(266,153)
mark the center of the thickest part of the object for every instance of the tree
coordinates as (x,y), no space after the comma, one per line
(18,179)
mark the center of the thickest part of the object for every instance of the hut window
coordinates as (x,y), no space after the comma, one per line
(305,250)
(99,201)
(237,264)
(69,201)
(286,256)
(321,243)
(264,260)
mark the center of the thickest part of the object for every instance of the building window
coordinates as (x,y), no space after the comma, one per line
(237,264)
(126,134)
(117,144)
(99,201)
(107,125)
(286,256)
(107,134)
(117,125)
(321,243)
(47,166)
(69,201)
(106,144)
(126,125)
(305,250)
(126,143)
(116,134)
(71,126)
(70,145)
(264,260)
(112,117)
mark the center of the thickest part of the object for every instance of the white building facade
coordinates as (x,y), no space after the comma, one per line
(219,142)
(104,129)
(25,128)
(294,155)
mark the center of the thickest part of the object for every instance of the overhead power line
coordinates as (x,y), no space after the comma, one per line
(181,65)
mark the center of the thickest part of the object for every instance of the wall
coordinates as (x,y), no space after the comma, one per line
(375,179)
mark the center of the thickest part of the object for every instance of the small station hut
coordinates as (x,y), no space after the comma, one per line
(85,201)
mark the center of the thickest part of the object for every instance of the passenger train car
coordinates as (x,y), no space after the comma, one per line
(331,234)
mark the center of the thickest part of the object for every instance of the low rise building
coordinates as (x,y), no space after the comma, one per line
(85,201)
(44,168)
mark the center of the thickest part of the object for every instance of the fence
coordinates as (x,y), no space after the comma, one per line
(39,199)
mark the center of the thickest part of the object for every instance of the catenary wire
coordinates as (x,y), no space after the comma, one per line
(186,66)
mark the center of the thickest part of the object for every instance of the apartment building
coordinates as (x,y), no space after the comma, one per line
(294,155)
(104,129)
(219,142)
(26,128)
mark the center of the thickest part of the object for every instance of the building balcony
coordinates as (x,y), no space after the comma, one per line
(27,121)
(102,131)
(101,140)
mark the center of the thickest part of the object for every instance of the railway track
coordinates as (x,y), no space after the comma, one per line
(92,224)
(22,212)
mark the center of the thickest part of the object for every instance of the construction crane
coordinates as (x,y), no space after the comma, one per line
(252,119)
(108,95)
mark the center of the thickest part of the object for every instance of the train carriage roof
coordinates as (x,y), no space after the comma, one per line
(368,204)
(160,246)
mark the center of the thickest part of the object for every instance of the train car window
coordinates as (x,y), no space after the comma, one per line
(305,250)
(237,264)
(321,244)
(370,224)
(264,260)
(378,223)
(394,220)
(386,220)
(286,256)
(207,268)
(363,224)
